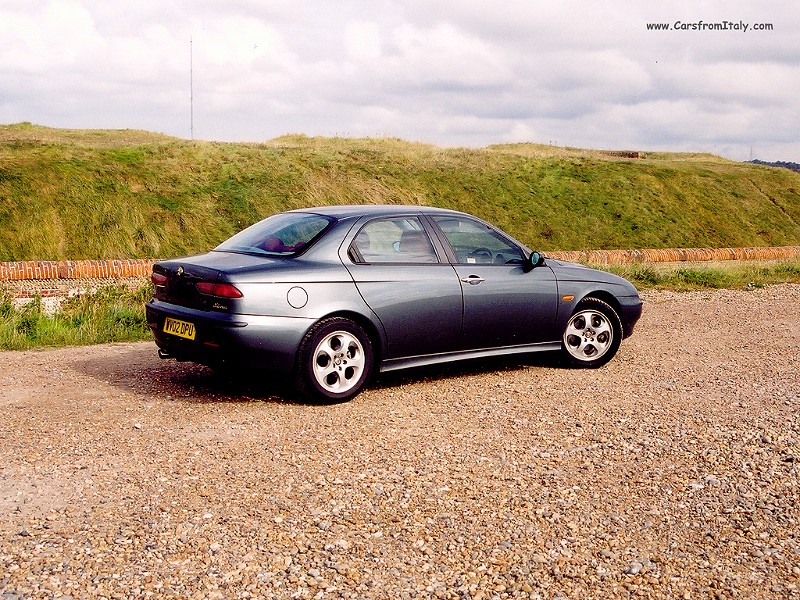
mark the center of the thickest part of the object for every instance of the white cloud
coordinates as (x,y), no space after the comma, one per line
(445,56)
(55,35)
(453,72)
(362,40)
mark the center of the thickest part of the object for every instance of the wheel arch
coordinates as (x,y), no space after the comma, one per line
(370,328)
(603,295)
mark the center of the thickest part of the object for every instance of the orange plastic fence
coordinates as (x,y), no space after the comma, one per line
(117,269)
(75,269)
(621,257)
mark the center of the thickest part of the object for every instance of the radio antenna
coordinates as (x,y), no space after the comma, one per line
(191,90)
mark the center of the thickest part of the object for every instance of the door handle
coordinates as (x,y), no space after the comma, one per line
(473,279)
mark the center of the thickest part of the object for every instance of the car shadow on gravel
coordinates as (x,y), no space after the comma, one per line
(138,370)
(467,368)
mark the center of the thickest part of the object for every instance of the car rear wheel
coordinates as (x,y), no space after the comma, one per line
(592,335)
(334,361)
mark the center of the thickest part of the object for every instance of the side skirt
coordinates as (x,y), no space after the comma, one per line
(395,364)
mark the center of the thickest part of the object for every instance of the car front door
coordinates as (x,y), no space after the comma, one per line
(505,304)
(411,288)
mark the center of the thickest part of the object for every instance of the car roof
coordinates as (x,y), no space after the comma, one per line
(371,210)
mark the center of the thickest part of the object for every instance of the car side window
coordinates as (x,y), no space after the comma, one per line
(393,240)
(476,243)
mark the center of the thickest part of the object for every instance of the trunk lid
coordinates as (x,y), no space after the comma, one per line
(175,280)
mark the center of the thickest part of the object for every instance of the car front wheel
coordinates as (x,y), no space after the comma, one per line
(592,335)
(334,361)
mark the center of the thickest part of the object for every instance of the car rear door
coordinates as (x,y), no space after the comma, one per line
(505,304)
(407,282)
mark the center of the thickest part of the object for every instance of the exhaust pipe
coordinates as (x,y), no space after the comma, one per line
(163,354)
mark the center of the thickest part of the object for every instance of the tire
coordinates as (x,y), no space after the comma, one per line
(592,335)
(334,362)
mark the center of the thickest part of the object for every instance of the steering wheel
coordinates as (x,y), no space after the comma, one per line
(481,253)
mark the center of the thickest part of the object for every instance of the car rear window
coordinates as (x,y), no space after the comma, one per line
(285,234)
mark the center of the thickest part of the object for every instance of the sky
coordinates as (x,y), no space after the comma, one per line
(454,73)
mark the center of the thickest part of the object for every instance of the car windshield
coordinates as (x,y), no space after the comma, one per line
(285,234)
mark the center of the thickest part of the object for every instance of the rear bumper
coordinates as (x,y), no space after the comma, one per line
(238,340)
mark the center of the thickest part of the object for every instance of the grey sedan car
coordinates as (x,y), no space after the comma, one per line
(332,295)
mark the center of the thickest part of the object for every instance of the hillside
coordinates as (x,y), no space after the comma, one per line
(72,194)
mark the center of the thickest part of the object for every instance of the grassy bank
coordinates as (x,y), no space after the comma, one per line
(116,314)
(69,194)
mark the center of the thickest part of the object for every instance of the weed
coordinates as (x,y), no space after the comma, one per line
(112,314)
(701,278)
(733,274)
(644,275)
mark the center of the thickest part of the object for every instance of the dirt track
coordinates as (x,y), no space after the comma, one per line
(672,472)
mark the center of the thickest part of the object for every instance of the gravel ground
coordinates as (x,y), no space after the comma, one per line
(670,473)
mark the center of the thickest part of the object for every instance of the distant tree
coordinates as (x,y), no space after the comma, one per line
(793,166)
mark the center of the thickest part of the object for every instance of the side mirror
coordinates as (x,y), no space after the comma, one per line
(534,260)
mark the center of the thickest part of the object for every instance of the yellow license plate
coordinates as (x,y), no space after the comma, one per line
(179,328)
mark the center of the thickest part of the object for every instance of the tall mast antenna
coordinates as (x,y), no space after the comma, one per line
(191,89)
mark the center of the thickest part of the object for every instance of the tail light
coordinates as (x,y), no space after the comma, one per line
(159,279)
(221,290)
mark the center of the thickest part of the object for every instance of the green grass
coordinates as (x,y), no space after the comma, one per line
(72,194)
(696,276)
(113,314)
(116,314)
